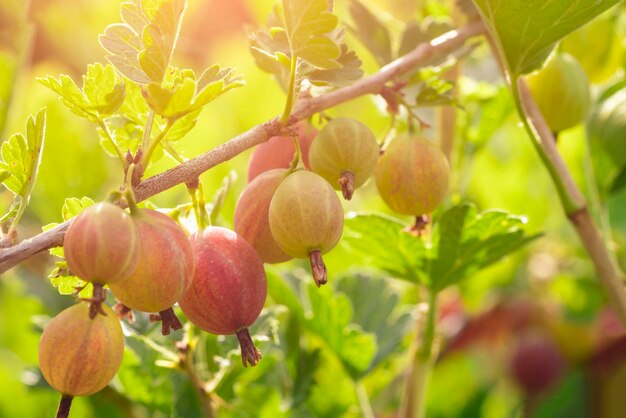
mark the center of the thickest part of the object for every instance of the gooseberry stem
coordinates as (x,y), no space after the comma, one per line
(318,268)
(249,353)
(194,188)
(124,312)
(129,194)
(64,406)
(96,300)
(148,154)
(347,184)
(291,91)
(109,138)
(297,163)
(169,321)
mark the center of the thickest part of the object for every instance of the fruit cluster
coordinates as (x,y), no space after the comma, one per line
(149,264)
(289,209)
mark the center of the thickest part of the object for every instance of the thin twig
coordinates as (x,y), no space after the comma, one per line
(421,56)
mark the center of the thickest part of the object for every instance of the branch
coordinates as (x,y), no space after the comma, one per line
(548,145)
(421,56)
(608,273)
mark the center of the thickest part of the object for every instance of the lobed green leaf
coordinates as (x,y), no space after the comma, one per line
(21,156)
(463,242)
(327,314)
(349,71)
(376,307)
(330,316)
(183,94)
(308,24)
(382,242)
(468,241)
(141,48)
(102,93)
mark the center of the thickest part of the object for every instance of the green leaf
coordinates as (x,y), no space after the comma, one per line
(467,241)
(66,283)
(308,24)
(74,206)
(182,127)
(101,95)
(270,48)
(126,134)
(382,242)
(463,242)
(103,89)
(308,363)
(124,44)
(141,48)
(435,92)
(328,314)
(71,95)
(349,72)
(159,38)
(144,383)
(21,156)
(330,317)
(527,30)
(215,81)
(571,398)
(183,94)
(377,310)
(324,59)
(371,32)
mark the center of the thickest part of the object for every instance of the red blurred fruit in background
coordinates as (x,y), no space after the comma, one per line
(537,364)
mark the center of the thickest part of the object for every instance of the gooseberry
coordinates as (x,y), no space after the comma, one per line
(228,289)
(412,175)
(607,125)
(345,153)
(164,270)
(101,246)
(252,215)
(79,356)
(561,91)
(306,219)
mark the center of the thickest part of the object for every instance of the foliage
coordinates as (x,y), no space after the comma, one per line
(463,242)
(342,350)
(21,156)
(547,21)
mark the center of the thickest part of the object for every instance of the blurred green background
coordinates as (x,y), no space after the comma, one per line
(494,166)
